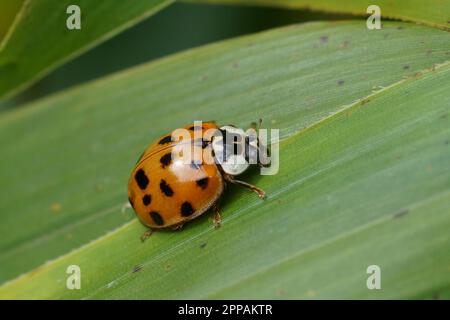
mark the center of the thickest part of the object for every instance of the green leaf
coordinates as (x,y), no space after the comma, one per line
(435,13)
(8,13)
(40,40)
(363,176)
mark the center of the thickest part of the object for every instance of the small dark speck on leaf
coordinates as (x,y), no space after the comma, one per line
(446,142)
(281,292)
(204,78)
(324,39)
(137,268)
(345,44)
(429,51)
(235,65)
(203,245)
(406,67)
(400,213)
(399,28)
(340,82)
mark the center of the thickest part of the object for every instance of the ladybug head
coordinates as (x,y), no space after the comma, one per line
(235,149)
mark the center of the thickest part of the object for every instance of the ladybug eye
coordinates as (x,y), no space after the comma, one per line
(251,150)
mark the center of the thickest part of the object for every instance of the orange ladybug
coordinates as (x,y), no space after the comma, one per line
(166,192)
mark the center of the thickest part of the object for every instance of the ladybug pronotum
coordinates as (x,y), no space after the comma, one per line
(167,193)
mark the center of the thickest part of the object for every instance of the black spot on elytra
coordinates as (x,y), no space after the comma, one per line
(141,179)
(157,218)
(165,140)
(165,188)
(186,209)
(202,183)
(147,199)
(166,159)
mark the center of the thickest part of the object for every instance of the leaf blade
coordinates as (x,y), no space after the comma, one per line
(167,270)
(433,13)
(8,14)
(287,87)
(23,60)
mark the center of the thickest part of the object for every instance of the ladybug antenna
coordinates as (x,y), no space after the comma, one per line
(256,126)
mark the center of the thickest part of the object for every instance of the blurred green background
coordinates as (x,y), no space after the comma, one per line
(163,34)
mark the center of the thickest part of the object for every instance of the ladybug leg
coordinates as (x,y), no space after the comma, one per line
(146,235)
(217,218)
(177,227)
(126,206)
(260,192)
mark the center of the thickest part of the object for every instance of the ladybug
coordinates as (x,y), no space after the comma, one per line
(166,192)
